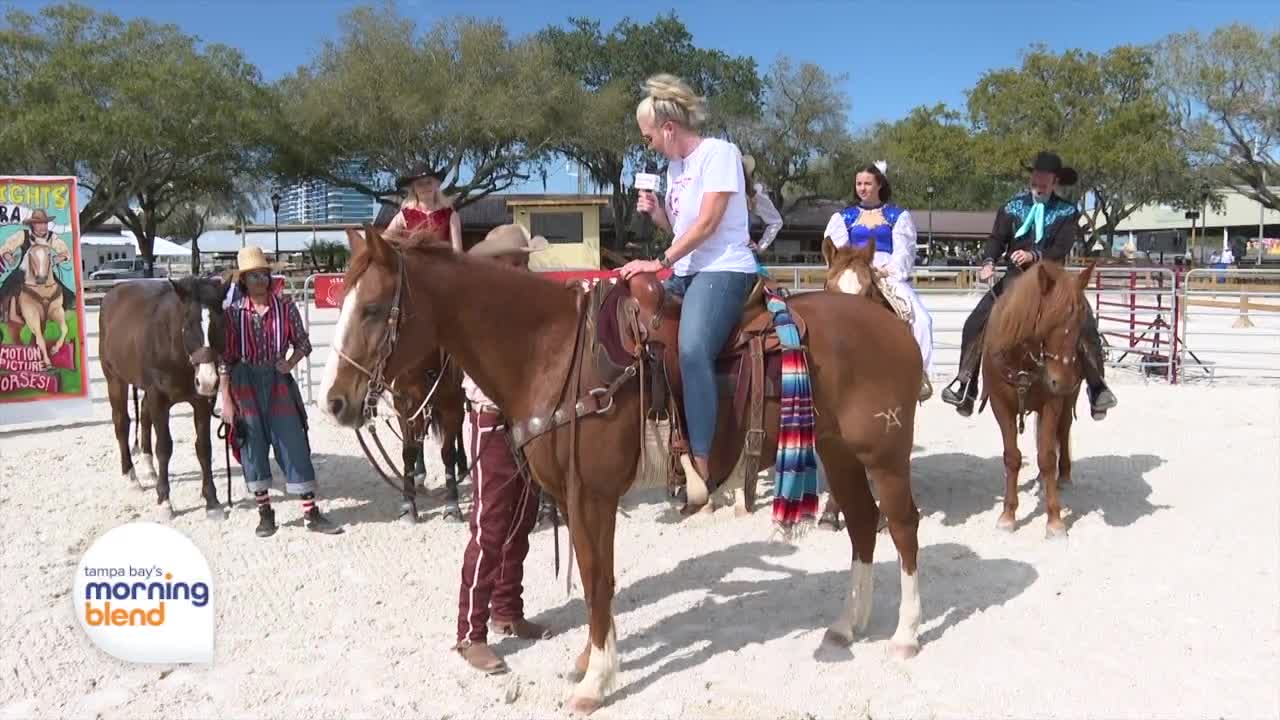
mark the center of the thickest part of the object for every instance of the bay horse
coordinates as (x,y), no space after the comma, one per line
(40,300)
(163,337)
(524,341)
(427,404)
(1030,364)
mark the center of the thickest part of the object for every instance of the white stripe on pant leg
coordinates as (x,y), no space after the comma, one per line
(478,499)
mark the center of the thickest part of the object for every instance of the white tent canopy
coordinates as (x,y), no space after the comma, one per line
(163,247)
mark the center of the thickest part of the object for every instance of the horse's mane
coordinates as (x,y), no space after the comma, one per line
(1023,308)
(427,239)
(205,291)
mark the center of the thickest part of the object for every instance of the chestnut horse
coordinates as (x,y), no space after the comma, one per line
(1029,364)
(850,271)
(520,337)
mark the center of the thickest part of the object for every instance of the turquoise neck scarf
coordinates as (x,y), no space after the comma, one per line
(1036,218)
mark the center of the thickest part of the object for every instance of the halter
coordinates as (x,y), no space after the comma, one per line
(377,382)
(1022,379)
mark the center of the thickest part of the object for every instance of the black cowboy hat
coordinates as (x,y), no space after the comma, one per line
(419,171)
(1050,162)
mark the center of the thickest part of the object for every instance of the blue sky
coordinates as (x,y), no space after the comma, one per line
(897,55)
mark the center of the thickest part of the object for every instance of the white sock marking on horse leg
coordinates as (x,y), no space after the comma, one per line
(848,283)
(907,636)
(602,669)
(857,604)
(148,463)
(335,345)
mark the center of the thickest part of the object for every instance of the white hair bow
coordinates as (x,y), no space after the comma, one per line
(882,166)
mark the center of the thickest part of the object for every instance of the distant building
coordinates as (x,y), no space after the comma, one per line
(316,201)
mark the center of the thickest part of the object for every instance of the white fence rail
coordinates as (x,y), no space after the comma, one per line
(1206,324)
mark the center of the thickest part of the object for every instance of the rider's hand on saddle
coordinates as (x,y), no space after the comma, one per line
(639,266)
(987,272)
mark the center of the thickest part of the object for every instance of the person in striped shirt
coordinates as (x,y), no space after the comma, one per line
(265,341)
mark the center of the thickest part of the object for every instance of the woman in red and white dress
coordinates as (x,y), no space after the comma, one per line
(425,206)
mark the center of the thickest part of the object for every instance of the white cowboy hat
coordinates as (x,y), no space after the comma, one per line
(508,240)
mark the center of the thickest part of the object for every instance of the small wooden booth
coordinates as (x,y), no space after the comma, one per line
(571,225)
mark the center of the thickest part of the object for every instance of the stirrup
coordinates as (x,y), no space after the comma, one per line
(950,396)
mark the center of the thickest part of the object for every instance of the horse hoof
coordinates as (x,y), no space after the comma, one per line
(215,513)
(584,705)
(1055,532)
(1005,524)
(740,511)
(165,511)
(409,517)
(831,637)
(453,513)
(904,651)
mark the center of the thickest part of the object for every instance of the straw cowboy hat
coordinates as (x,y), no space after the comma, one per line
(251,258)
(39,216)
(419,171)
(508,239)
(1050,162)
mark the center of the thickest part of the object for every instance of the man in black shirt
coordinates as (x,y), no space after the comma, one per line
(1034,225)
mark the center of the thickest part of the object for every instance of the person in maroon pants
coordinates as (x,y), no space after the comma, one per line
(504,508)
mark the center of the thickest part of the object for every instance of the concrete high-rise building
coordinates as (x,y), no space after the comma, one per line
(316,201)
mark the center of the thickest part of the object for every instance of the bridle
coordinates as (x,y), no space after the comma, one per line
(378,384)
(386,345)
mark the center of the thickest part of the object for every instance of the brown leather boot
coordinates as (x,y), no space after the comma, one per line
(521,628)
(481,657)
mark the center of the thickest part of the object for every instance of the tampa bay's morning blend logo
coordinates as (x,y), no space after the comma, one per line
(144,593)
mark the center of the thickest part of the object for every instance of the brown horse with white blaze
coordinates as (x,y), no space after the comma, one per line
(1030,364)
(163,337)
(522,339)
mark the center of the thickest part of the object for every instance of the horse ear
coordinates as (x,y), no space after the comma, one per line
(180,289)
(1083,281)
(1046,280)
(356,241)
(867,253)
(376,246)
(828,251)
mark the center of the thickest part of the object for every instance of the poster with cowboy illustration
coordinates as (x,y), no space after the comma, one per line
(42,336)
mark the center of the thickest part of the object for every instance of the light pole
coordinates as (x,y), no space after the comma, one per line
(1204,211)
(929,250)
(275,211)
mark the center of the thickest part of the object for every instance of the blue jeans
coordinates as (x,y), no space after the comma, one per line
(712,310)
(270,407)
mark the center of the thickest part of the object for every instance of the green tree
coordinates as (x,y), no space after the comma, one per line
(610,70)
(1104,114)
(802,127)
(128,108)
(931,147)
(461,97)
(1225,93)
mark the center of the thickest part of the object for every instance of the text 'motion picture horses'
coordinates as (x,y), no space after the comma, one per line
(531,345)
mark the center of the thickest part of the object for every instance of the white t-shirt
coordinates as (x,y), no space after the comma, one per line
(713,166)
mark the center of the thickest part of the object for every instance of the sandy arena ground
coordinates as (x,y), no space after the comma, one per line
(1162,603)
